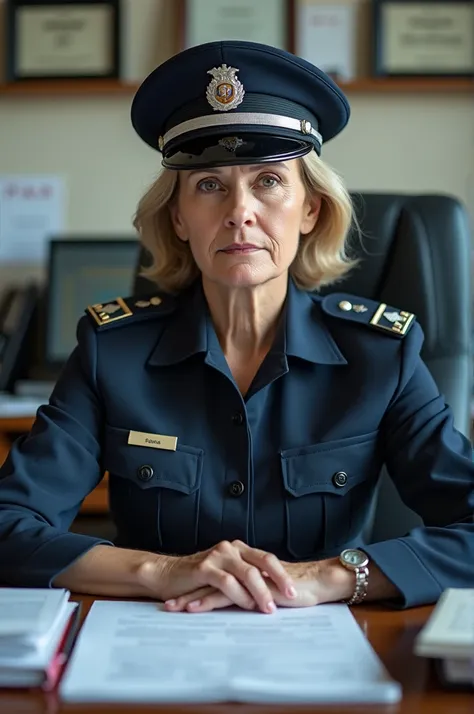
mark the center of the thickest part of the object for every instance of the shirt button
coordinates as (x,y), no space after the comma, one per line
(145,473)
(238,419)
(340,479)
(236,488)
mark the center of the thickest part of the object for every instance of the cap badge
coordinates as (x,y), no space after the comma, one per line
(231,143)
(225,91)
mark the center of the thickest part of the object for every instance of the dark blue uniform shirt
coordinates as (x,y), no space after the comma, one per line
(290,468)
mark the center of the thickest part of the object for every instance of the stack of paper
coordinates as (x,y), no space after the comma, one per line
(137,652)
(448,636)
(36,628)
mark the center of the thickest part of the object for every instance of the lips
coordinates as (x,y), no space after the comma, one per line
(240,248)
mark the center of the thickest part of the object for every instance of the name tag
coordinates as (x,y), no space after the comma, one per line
(153,441)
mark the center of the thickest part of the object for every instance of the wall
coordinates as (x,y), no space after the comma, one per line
(393,142)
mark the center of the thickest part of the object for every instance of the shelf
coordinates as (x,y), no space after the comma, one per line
(67,87)
(423,85)
(110,87)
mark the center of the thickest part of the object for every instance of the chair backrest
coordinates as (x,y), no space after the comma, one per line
(415,254)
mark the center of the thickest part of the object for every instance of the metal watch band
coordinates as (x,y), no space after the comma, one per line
(360,591)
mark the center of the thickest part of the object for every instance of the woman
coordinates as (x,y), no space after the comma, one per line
(242,418)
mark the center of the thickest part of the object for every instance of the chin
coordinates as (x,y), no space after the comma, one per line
(245,276)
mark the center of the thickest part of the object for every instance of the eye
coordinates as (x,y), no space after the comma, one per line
(269,181)
(208,185)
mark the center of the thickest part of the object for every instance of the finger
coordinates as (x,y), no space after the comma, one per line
(213,601)
(178,604)
(271,565)
(251,577)
(225,581)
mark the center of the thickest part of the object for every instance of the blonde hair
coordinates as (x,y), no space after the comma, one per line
(321,258)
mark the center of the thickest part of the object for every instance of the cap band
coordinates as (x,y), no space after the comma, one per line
(247,119)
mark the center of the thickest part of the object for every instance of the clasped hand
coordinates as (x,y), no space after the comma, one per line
(233,574)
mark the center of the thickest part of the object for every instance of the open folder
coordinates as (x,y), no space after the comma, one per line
(137,652)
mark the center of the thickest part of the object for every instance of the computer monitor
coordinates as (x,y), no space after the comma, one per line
(83,272)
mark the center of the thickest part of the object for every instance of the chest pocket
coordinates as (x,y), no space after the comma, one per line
(154,494)
(329,489)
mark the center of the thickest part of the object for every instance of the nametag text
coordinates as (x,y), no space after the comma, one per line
(153,441)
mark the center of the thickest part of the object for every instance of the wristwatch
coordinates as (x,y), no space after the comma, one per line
(357,561)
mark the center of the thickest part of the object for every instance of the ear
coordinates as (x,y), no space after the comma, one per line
(177,221)
(311,209)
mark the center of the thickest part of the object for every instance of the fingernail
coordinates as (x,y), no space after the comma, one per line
(291,592)
(171,603)
(271,607)
(194,603)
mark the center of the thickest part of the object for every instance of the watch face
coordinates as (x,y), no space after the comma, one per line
(354,557)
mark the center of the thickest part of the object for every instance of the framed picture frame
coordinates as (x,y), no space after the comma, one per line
(81,271)
(265,21)
(62,39)
(433,38)
(326,34)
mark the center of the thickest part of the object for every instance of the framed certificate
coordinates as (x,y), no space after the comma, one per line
(265,21)
(429,38)
(53,39)
(325,33)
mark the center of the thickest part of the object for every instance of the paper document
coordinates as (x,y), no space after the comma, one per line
(28,668)
(449,631)
(26,614)
(137,652)
(32,210)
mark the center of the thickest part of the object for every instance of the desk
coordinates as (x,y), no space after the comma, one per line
(12,427)
(391,634)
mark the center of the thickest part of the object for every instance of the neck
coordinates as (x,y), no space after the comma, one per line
(245,319)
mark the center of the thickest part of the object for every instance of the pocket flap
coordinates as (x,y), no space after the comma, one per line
(147,467)
(331,466)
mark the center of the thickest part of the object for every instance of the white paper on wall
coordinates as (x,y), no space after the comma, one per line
(32,211)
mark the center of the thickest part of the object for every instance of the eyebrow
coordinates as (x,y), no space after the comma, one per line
(250,167)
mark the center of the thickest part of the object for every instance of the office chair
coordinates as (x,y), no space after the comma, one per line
(415,254)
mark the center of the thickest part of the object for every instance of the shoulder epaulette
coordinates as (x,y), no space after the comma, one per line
(377,315)
(125,311)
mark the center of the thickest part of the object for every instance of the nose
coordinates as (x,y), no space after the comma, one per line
(239,211)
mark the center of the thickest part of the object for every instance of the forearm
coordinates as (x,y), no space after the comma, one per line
(106,570)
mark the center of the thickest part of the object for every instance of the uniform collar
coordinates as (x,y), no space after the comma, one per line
(306,335)
(302,333)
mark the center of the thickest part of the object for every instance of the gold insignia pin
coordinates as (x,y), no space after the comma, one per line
(224,91)
(392,320)
(345,305)
(112,311)
(348,306)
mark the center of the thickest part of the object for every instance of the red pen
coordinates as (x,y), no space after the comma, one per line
(58,662)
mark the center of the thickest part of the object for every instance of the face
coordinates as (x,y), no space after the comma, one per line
(243,223)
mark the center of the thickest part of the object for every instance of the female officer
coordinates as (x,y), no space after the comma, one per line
(243,419)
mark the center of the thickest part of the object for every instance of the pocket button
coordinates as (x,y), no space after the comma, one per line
(340,479)
(145,473)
